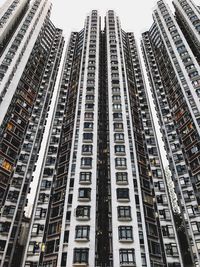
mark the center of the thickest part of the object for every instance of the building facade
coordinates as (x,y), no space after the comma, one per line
(10,17)
(171,53)
(31,48)
(188,17)
(81,178)
(102,198)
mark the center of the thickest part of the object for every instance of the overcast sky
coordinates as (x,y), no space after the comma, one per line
(135,15)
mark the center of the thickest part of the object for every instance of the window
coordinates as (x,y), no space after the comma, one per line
(34,247)
(63,261)
(50,160)
(50,246)
(118,126)
(155,248)
(189,67)
(160,186)
(84,193)
(119,137)
(43,197)
(82,231)
(88,125)
(87,137)
(116,97)
(89,106)
(191,210)
(184,181)
(40,213)
(117,116)
(10,126)
(124,212)
(89,97)
(9,210)
(167,230)
(193,74)
(122,177)
(16,182)
(198,245)
(81,255)
(125,233)
(4,227)
(164,214)
(21,169)
(87,149)
(57,196)
(117,106)
(162,199)
(146,183)
(171,249)
(86,162)
(48,172)
(85,177)
(181,49)
(55,211)
(196,226)
(7,166)
(153,151)
(89,115)
(2,245)
(68,215)
(90,82)
(123,193)
(126,256)
(120,149)
(181,169)
(45,184)
(120,162)
(70,198)
(13,195)
(152,229)
(83,212)
(115,81)
(37,229)
(116,89)
(150,212)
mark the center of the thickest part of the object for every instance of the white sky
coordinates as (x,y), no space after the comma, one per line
(135,15)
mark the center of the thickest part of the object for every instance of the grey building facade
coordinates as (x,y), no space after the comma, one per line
(81,178)
(106,202)
(170,50)
(29,62)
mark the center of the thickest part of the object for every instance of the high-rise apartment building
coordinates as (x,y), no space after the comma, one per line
(188,18)
(101,198)
(171,52)
(30,52)
(10,17)
(81,178)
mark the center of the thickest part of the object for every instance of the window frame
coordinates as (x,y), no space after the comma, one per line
(124,213)
(82,232)
(81,255)
(125,233)
(127,256)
